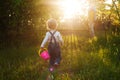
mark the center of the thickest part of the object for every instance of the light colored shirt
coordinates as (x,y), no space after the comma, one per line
(92,14)
(47,38)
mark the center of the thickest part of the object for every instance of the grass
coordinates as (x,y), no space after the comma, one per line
(82,59)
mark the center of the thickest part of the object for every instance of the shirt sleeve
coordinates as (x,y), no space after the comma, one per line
(45,40)
(60,38)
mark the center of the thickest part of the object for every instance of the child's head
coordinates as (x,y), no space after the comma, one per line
(51,24)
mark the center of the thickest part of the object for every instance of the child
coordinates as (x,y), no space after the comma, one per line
(54,38)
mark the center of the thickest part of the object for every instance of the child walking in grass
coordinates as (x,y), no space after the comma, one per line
(54,38)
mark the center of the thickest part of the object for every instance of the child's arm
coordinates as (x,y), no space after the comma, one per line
(60,39)
(44,41)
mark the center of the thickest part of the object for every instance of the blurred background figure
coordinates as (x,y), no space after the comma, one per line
(91,19)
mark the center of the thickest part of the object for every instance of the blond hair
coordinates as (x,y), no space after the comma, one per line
(51,24)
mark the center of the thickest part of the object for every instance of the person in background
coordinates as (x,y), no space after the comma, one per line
(91,19)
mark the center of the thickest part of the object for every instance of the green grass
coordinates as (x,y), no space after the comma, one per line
(82,59)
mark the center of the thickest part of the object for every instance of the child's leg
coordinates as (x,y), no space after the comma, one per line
(52,56)
(52,61)
(51,66)
(58,57)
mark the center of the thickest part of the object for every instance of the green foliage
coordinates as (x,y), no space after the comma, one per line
(82,59)
(23,24)
(21,19)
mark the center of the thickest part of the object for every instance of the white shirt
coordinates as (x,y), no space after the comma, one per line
(92,13)
(47,38)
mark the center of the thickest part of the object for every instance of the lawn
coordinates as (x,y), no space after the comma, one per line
(82,59)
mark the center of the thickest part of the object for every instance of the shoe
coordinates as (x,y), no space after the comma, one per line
(51,69)
(56,64)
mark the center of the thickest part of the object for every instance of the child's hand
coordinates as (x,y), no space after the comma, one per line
(41,50)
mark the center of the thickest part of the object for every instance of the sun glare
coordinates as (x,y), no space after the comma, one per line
(71,8)
(110,3)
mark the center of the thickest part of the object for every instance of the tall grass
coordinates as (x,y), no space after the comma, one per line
(82,59)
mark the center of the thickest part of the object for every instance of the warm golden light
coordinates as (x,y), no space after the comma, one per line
(71,8)
(108,2)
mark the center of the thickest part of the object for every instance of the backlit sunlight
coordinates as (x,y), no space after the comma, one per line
(108,2)
(71,8)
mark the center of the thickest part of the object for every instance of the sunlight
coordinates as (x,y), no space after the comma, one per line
(71,8)
(108,2)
